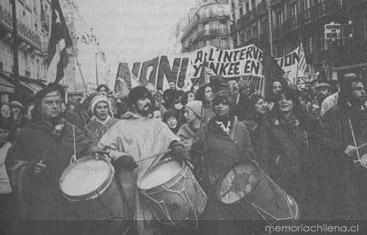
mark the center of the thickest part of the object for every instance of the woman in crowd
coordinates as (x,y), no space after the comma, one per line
(5,112)
(206,95)
(187,97)
(170,118)
(286,147)
(193,116)
(276,87)
(224,142)
(254,117)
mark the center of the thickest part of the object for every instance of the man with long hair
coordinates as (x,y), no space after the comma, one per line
(344,128)
(136,137)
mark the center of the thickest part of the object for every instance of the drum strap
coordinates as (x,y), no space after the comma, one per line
(73,158)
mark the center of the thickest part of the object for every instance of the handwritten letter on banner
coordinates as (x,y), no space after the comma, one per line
(294,65)
(246,61)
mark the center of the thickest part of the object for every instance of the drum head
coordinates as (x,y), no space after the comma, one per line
(86,178)
(160,175)
(238,182)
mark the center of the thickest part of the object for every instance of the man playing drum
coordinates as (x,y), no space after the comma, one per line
(42,150)
(133,139)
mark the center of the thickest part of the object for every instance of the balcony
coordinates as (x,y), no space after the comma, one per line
(208,34)
(305,17)
(45,21)
(24,33)
(204,18)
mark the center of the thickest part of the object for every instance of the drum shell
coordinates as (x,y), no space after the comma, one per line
(267,200)
(103,211)
(179,199)
(95,193)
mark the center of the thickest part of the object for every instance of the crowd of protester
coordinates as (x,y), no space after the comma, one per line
(305,140)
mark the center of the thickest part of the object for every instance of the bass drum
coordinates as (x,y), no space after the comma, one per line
(95,194)
(173,193)
(249,182)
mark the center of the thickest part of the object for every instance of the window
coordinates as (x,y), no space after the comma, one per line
(27,73)
(278,17)
(253,5)
(264,25)
(247,7)
(309,45)
(1,65)
(254,31)
(292,10)
(365,27)
(241,11)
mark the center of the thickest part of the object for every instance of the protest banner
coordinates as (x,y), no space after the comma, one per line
(294,65)
(244,62)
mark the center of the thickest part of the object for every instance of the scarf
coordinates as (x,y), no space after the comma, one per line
(225,123)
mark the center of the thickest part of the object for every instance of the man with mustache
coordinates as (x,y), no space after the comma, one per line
(135,137)
(344,127)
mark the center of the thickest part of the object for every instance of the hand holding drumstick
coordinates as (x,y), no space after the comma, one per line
(39,167)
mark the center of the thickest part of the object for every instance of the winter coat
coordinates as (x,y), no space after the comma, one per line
(344,181)
(39,196)
(95,130)
(214,155)
(288,154)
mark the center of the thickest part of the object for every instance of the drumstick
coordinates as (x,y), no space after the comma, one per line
(354,140)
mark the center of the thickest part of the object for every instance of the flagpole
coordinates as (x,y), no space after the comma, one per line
(270,28)
(15,49)
(95,56)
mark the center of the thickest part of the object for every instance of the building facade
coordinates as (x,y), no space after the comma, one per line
(34,24)
(207,24)
(33,31)
(302,22)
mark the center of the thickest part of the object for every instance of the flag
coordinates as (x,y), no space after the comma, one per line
(272,71)
(123,80)
(302,65)
(60,40)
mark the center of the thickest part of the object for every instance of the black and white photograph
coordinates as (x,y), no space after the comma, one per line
(183,117)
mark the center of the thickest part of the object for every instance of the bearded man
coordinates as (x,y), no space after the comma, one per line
(344,127)
(131,140)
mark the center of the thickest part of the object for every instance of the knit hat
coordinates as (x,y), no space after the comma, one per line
(196,106)
(97,99)
(15,103)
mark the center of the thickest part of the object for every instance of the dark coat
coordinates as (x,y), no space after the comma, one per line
(344,181)
(289,156)
(39,196)
(95,130)
(35,143)
(221,153)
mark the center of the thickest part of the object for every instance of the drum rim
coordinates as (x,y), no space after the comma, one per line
(175,178)
(220,181)
(99,190)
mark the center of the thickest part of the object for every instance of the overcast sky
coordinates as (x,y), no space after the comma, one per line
(135,29)
(128,30)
